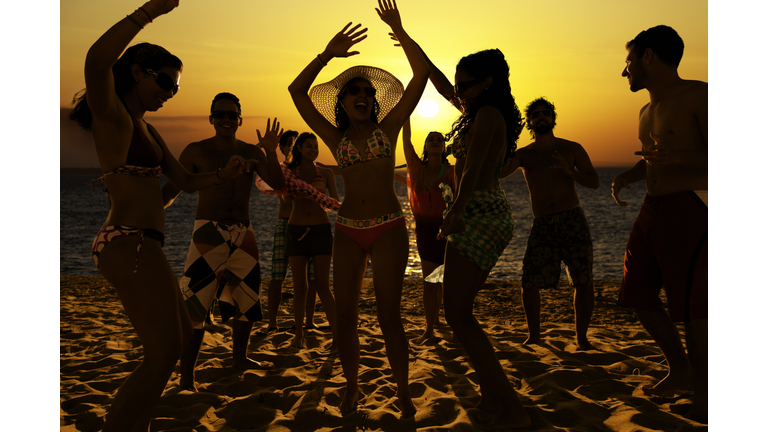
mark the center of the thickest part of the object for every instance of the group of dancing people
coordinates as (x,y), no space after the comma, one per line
(463,220)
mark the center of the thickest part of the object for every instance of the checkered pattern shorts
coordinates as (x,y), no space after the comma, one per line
(222,263)
(280,264)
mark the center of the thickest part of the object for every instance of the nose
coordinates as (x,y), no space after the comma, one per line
(624,72)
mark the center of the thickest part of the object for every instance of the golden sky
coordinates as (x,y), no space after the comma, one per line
(572,52)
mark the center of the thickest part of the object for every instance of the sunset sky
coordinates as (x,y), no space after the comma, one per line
(572,52)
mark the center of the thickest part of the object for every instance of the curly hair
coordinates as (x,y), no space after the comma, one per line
(483,64)
(146,55)
(294,157)
(342,119)
(541,101)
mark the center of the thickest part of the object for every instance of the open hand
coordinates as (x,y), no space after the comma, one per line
(394,38)
(560,163)
(619,183)
(160,7)
(234,168)
(271,138)
(659,153)
(388,13)
(344,40)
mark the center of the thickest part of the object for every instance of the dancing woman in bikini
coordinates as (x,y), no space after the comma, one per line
(308,233)
(359,115)
(132,155)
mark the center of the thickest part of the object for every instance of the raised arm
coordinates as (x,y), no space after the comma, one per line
(268,166)
(394,121)
(438,78)
(408,150)
(103,102)
(338,47)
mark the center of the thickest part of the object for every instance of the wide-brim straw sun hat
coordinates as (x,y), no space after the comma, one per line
(389,90)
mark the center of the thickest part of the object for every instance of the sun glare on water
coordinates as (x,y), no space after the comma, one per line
(427,108)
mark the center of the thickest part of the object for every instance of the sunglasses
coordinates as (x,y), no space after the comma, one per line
(220,114)
(537,114)
(461,87)
(164,81)
(355,90)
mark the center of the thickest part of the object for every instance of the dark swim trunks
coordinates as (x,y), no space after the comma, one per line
(668,247)
(554,238)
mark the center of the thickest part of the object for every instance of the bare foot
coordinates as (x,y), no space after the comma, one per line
(670,385)
(310,326)
(428,334)
(349,402)
(532,341)
(298,341)
(274,329)
(406,407)
(584,344)
(245,363)
(187,382)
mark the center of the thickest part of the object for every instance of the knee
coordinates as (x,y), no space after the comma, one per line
(459,318)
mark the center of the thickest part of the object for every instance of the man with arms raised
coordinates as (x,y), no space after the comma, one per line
(668,243)
(223,259)
(552,167)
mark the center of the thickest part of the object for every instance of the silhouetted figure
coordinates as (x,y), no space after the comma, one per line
(560,233)
(280,263)
(127,250)
(223,259)
(668,243)
(359,115)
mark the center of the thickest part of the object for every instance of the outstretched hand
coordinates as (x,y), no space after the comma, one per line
(344,40)
(234,168)
(271,138)
(388,13)
(161,7)
(659,153)
(394,38)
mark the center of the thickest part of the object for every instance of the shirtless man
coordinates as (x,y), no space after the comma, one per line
(552,167)
(668,243)
(280,261)
(223,260)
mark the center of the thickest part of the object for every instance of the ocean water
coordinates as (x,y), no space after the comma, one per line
(83,212)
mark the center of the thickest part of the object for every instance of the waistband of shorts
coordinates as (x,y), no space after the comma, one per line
(562,213)
(369,223)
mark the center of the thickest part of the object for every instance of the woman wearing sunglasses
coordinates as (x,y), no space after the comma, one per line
(425,174)
(359,115)
(308,233)
(127,250)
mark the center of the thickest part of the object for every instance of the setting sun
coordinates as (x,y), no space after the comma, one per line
(427,108)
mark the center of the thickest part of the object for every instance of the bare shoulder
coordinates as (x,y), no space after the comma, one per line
(195,149)
(326,172)
(696,90)
(250,151)
(569,145)
(490,112)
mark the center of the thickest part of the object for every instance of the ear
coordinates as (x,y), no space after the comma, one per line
(210,119)
(488,82)
(240,123)
(647,56)
(136,72)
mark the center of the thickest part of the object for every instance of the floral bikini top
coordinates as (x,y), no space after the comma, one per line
(378,147)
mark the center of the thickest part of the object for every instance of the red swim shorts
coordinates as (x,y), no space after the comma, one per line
(668,247)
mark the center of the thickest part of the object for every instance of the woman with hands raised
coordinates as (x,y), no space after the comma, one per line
(120,89)
(358,115)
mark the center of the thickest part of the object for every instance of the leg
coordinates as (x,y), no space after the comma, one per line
(661,328)
(241,335)
(273,301)
(696,340)
(153,304)
(583,305)
(463,280)
(433,298)
(389,257)
(349,263)
(532,308)
(189,359)
(311,300)
(323,285)
(299,271)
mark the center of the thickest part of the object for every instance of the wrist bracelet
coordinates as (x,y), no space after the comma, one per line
(217,175)
(141,8)
(134,21)
(321,60)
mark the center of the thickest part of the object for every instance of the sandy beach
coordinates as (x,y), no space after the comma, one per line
(561,387)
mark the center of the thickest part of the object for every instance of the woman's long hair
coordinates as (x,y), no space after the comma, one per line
(294,157)
(146,55)
(483,64)
(342,119)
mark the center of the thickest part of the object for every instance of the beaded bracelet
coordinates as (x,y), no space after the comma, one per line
(321,61)
(141,8)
